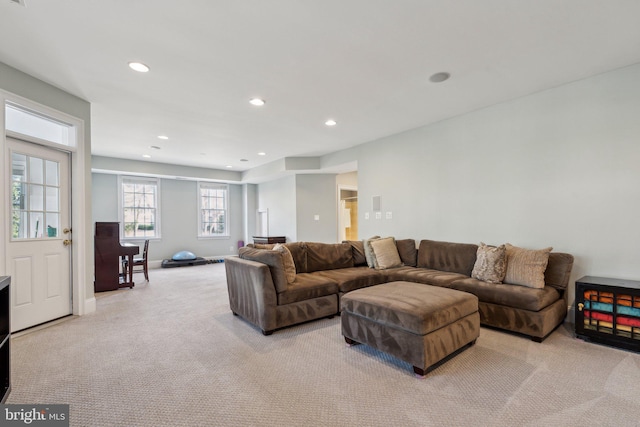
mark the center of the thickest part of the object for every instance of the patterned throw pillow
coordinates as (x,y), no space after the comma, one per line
(386,253)
(526,267)
(287,262)
(368,252)
(491,263)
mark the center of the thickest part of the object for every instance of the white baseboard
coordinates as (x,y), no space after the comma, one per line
(90,305)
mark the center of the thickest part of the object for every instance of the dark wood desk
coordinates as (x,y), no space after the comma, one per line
(270,239)
(107,255)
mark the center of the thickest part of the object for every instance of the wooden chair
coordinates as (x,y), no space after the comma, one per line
(139,264)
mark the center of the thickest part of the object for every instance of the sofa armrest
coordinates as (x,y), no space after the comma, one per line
(252,293)
(558,272)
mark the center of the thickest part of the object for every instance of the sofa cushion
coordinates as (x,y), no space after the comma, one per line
(511,296)
(357,252)
(425,276)
(307,286)
(328,256)
(271,258)
(299,253)
(526,267)
(558,270)
(352,278)
(385,253)
(446,256)
(407,251)
(263,245)
(287,262)
(491,263)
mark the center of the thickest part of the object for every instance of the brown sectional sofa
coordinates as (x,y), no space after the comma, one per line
(259,291)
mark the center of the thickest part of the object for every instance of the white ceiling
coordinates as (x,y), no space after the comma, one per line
(365,63)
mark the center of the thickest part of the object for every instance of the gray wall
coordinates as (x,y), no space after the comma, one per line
(557,168)
(316,195)
(279,197)
(178,216)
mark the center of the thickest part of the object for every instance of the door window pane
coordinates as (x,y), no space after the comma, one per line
(36,225)
(52,200)
(52,173)
(35,170)
(36,198)
(53,224)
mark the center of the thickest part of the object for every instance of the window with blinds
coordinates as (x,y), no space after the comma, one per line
(213,218)
(140,207)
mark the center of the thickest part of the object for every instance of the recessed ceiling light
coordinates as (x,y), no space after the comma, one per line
(163,137)
(257,102)
(146,156)
(330,122)
(139,67)
(155,147)
(262,153)
(229,166)
(439,77)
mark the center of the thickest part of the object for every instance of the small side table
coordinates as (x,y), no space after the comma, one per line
(608,311)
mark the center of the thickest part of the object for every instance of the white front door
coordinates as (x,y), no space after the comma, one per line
(38,251)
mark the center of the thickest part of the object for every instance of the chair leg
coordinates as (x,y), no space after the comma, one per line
(146,272)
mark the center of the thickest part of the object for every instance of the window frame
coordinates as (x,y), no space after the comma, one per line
(124,179)
(218,186)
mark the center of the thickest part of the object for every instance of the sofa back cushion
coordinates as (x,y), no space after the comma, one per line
(328,256)
(357,252)
(271,258)
(299,253)
(447,256)
(407,251)
(558,270)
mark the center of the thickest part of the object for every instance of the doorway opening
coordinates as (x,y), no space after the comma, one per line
(348,213)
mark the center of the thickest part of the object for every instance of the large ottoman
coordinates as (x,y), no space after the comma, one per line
(419,324)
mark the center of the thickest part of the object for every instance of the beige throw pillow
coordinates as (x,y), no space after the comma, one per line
(491,263)
(386,253)
(526,267)
(287,262)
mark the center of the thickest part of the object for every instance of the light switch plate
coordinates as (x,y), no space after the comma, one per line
(366,215)
(378,215)
(389,215)
(316,217)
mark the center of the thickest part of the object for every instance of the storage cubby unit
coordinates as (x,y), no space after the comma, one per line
(608,311)
(5,339)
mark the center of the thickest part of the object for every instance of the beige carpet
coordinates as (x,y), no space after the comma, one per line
(170,353)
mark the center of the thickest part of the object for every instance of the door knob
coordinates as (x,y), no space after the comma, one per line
(66,242)
(66,231)
(580,306)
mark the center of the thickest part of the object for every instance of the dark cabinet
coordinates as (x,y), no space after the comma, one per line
(608,311)
(268,240)
(5,338)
